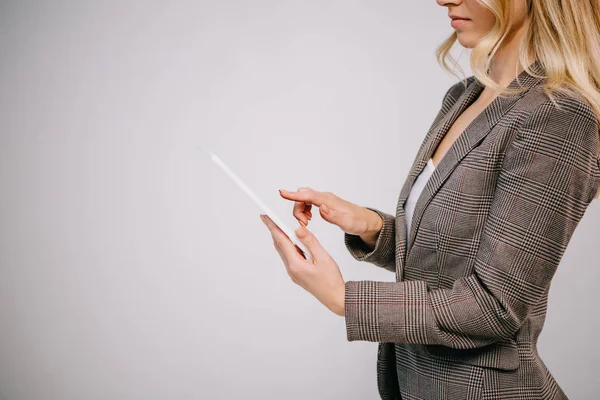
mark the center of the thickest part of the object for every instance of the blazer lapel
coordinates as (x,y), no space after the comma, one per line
(474,133)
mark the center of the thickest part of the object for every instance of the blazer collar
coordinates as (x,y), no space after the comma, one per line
(474,133)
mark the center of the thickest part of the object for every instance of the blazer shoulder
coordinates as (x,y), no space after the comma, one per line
(576,105)
(452,94)
(563,108)
(456,90)
(460,86)
(566,120)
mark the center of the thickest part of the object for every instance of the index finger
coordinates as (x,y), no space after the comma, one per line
(309,195)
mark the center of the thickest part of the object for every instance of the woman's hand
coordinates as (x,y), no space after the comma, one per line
(320,275)
(351,218)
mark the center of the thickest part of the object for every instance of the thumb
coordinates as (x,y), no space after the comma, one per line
(310,241)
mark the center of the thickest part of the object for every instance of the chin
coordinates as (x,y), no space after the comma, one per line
(466,40)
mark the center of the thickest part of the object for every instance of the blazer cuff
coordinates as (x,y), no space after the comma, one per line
(385,311)
(384,253)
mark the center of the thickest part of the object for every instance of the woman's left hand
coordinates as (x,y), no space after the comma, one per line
(320,275)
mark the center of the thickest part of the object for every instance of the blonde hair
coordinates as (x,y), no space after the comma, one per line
(564,35)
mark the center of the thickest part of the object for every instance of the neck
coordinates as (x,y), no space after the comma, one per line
(502,66)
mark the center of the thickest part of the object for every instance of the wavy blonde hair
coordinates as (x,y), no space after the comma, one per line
(564,35)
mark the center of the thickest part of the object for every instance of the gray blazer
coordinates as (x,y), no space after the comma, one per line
(462,319)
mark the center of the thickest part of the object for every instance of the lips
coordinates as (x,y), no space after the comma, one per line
(459,23)
(454,16)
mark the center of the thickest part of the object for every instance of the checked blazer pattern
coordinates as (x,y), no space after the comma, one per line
(462,319)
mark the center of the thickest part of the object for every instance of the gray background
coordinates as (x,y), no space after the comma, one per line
(131,267)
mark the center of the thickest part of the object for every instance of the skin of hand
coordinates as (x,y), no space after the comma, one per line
(349,217)
(320,275)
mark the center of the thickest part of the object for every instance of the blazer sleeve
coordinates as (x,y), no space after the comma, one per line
(548,177)
(384,253)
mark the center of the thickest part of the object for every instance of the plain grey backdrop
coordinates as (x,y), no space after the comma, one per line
(131,267)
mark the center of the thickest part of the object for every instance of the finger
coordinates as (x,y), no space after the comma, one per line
(286,262)
(281,253)
(312,244)
(301,209)
(281,249)
(300,252)
(272,226)
(276,239)
(304,198)
(307,195)
(291,273)
(299,212)
(275,230)
(286,246)
(307,205)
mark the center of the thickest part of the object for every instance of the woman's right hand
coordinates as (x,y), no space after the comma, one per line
(351,218)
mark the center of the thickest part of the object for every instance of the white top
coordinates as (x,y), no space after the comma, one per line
(415,192)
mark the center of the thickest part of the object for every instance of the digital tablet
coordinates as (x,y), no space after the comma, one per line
(265,210)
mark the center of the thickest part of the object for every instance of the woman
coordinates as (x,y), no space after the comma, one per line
(489,205)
